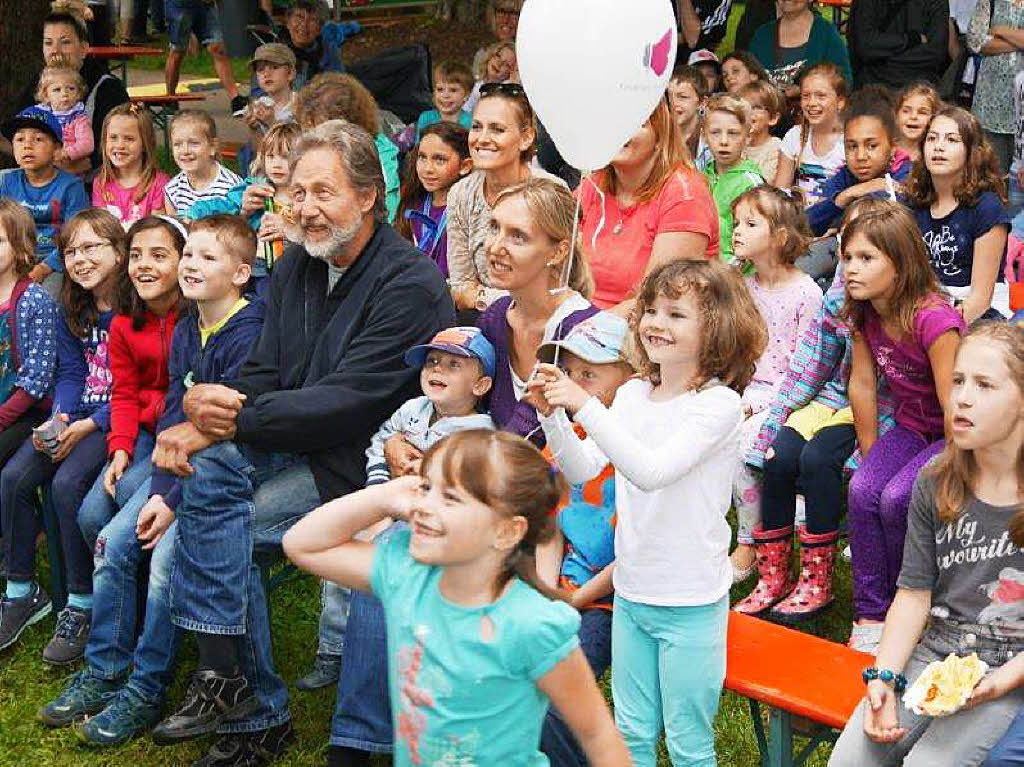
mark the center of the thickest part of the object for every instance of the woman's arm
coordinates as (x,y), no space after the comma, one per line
(863,392)
(1012,35)
(1003,680)
(462,274)
(571,687)
(689,23)
(323,542)
(988,252)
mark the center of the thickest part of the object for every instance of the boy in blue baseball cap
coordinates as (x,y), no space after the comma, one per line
(456,371)
(51,196)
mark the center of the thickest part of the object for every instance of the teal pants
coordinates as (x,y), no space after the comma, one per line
(668,665)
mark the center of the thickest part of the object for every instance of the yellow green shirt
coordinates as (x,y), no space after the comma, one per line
(205,333)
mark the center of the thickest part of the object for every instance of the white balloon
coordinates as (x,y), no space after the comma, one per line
(594,70)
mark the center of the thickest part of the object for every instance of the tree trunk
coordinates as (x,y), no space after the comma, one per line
(21,37)
(21,54)
(463,11)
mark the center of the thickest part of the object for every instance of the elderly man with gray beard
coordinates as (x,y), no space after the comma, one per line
(343,306)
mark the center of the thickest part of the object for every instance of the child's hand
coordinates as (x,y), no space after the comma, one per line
(39,272)
(272,227)
(254,199)
(262,113)
(71,436)
(154,519)
(543,375)
(994,685)
(115,469)
(402,456)
(561,391)
(403,494)
(881,719)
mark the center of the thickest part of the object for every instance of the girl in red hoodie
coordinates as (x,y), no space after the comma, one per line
(140,344)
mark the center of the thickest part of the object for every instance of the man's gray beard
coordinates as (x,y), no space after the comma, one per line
(340,238)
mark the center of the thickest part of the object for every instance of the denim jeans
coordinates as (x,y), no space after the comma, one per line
(556,740)
(334,607)
(962,739)
(25,472)
(1009,751)
(113,649)
(98,508)
(237,498)
(362,713)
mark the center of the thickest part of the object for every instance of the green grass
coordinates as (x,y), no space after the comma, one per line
(200,65)
(27,684)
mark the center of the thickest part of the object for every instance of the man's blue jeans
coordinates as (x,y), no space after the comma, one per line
(112,649)
(237,498)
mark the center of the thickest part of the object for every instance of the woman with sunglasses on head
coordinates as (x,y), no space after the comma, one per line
(501,144)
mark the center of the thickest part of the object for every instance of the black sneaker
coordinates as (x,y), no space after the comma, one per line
(248,749)
(326,670)
(16,615)
(210,701)
(238,104)
(69,638)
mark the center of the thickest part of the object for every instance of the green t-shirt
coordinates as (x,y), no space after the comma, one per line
(457,698)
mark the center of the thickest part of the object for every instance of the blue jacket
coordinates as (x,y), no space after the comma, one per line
(191,363)
(825,214)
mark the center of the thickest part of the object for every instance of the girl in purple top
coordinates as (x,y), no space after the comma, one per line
(442,158)
(906,332)
(530,254)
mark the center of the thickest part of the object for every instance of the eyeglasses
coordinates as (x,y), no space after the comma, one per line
(514,90)
(88,250)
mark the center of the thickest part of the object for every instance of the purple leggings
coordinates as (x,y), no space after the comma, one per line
(877,515)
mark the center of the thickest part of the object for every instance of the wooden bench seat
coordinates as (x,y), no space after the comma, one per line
(796,675)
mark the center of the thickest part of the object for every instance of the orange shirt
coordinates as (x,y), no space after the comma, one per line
(619,254)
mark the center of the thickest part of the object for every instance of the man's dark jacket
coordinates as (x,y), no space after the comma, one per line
(328,370)
(885,41)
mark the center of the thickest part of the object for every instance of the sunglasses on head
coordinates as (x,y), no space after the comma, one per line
(503,89)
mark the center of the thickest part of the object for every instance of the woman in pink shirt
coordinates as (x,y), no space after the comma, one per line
(648,206)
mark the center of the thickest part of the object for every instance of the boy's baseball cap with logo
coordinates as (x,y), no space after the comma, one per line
(597,340)
(462,341)
(33,117)
(274,53)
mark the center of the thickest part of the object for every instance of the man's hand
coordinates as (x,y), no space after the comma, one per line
(175,445)
(213,409)
(154,519)
(402,456)
(115,469)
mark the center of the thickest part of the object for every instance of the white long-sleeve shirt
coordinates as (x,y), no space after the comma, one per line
(674,467)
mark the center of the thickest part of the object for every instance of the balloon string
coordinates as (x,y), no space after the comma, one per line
(563,283)
(600,221)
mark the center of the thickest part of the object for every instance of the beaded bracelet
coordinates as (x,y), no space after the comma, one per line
(899,682)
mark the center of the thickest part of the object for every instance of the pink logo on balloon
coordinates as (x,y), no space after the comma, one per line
(656,55)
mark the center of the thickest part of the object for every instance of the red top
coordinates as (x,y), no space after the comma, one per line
(138,360)
(619,254)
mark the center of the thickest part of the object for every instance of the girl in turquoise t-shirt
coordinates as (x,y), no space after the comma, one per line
(477,646)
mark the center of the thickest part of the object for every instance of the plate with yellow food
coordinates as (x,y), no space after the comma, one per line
(945,685)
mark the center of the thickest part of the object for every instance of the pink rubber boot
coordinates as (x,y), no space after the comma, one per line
(773,549)
(813,592)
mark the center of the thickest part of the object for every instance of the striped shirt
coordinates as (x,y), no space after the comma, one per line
(182,195)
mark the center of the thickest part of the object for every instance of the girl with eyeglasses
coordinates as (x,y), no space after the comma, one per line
(68,451)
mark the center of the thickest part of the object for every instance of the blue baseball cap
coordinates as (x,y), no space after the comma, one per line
(598,340)
(34,117)
(462,341)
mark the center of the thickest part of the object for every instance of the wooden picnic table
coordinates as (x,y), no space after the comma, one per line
(121,55)
(163,106)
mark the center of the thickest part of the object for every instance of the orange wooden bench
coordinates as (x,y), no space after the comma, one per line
(795,675)
(229,150)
